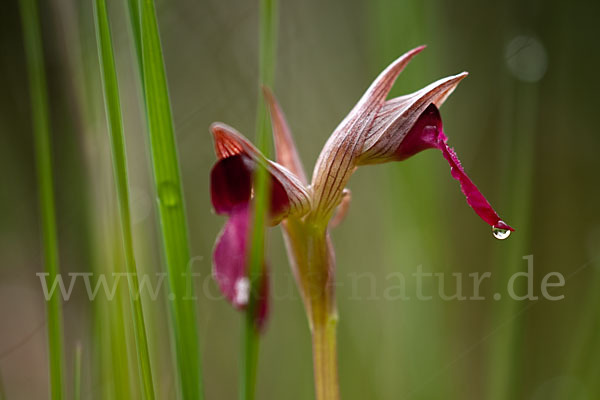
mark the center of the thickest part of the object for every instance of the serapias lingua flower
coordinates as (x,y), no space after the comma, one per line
(375,131)
(231,195)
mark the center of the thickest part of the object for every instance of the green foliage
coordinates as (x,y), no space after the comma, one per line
(41,129)
(119,157)
(250,336)
(77,373)
(171,209)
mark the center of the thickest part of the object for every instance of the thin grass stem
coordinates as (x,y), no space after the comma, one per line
(41,129)
(119,157)
(77,373)
(250,335)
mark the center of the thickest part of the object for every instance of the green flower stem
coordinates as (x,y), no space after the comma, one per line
(323,314)
(310,249)
(41,127)
(324,342)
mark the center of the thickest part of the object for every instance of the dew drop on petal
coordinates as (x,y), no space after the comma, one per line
(500,233)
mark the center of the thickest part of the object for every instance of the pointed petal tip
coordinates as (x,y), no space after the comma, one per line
(416,50)
(503,225)
(403,60)
(228,141)
(270,99)
(452,80)
(455,79)
(218,127)
(285,148)
(221,129)
(215,125)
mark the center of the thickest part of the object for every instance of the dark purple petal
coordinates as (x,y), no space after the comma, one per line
(231,186)
(230,257)
(295,201)
(423,135)
(280,202)
(230,183)
(428,133)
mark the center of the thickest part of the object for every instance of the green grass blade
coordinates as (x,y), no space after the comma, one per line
(119,157)
(121,371)
(134,22)
(170,201)
(250,336)
(41,127)
(77,373)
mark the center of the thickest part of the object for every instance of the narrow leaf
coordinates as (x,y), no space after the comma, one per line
(267,47)
(115,124)
(43,158)
(171,208)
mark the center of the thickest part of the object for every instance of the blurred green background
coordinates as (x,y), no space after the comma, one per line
(522,124)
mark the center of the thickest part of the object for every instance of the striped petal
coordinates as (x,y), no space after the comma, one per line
(339,156)
(399,115)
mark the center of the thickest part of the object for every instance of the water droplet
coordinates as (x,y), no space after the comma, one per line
(168,195)
(500,233)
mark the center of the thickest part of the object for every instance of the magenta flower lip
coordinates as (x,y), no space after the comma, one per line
(428,133)
(375,131)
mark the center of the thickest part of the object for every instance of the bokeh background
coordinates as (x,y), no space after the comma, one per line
(523,124)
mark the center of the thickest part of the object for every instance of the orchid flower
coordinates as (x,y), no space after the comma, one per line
(375,131)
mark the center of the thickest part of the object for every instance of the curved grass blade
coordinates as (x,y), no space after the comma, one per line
(41,129)
(115,123)
(171,209)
